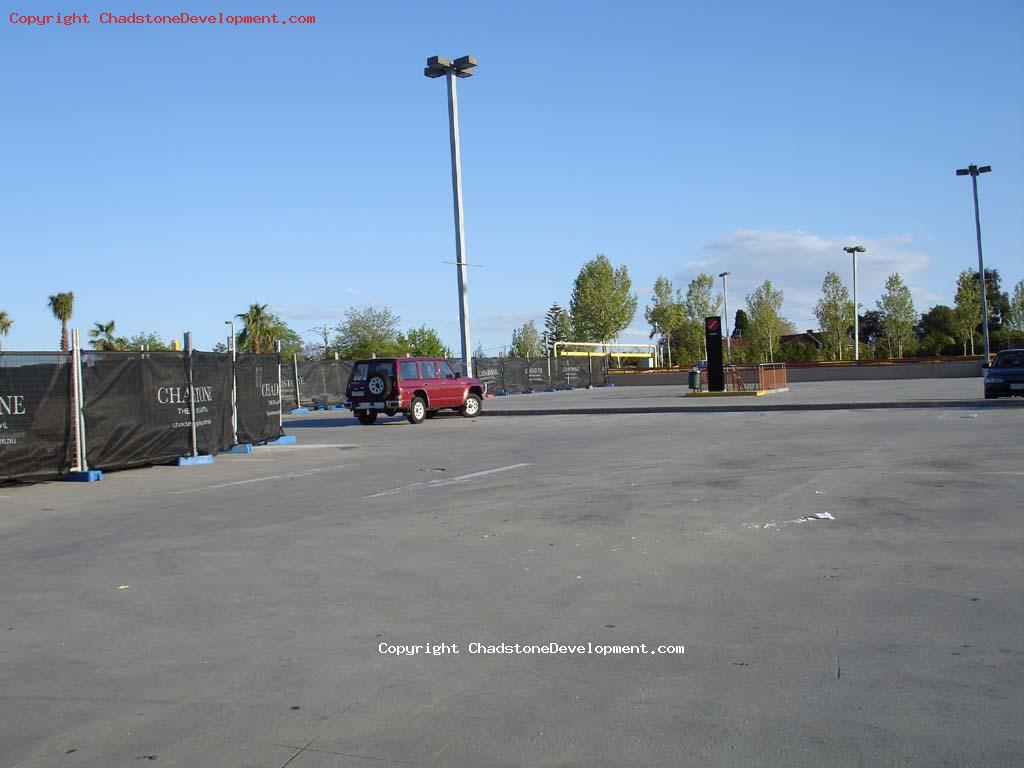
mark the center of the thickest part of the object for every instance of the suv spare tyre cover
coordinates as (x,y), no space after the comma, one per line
(379,385)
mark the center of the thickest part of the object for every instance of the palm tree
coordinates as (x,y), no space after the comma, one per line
(5,325)
(103,333)
(62,305)
(258,328)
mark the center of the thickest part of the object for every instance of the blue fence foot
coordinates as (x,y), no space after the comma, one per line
(527,391)
(283,440)
(192,461)
(88,476)
(295,411)
(551,389)
(609,385)
(590,386)
(240,448)
(338,407)
(501,393)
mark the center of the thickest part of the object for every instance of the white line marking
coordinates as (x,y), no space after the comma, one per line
(450,481)
(300,446)
(291,476)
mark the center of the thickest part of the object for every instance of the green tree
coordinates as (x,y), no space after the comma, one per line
(937,330)
(601,305)
(870,327)
(368,331)
(967,308)
(898,315)
(556,326)
(764,310)
(700,302)
(526,342)
(257,327)
(103,336)
(423,342)
(150,341)
(291,342)
(1015,310)
(5,325)
(667,314)
(63,306)
(740,324)
(834,312)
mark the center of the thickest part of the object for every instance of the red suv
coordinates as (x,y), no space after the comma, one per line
(419,387)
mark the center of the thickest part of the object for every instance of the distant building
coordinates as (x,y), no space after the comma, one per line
(807,337)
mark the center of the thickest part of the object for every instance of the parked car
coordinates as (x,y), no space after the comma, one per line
(419,387)
(1005,377)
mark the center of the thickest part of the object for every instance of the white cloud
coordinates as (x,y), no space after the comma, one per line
(797,262)
(351,291)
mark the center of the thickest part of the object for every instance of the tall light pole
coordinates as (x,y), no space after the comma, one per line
(853,251)
(725,298)
(438,66)
(973,171)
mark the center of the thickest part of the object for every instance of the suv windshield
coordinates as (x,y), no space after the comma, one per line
(1009,360)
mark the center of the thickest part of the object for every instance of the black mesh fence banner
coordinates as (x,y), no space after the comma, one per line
(323,381)
(35,411)
(136,408)
(211,381)
(288,398)
(257,399)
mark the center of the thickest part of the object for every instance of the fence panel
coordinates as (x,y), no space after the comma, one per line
(211,372)
(323,381)
(257,398)
(137,406)
(35,415)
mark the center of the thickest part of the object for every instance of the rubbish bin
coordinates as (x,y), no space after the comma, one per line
(694,380)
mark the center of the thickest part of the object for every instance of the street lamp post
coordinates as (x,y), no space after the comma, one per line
(438,66)
(853,251)
(973,171)
(725,298)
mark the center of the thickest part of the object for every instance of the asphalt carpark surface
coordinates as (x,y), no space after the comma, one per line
(258,589)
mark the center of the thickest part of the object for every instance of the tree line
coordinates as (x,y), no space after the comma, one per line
(602,306)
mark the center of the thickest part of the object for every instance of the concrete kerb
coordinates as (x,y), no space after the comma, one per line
(759,408)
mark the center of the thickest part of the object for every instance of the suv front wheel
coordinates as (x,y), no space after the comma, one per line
(417,411)
(471,407)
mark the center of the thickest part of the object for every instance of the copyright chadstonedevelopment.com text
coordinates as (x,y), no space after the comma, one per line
(519,649)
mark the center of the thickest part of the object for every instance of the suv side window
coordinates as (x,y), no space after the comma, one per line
(407,370)
(428,370)
(446,370)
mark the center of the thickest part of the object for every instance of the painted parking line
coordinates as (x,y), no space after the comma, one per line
(288,476)
(448,481)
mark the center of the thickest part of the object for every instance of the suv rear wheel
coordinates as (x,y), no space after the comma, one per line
(366,417)
(471,407)
(417,411)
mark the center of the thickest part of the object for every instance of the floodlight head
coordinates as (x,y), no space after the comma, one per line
(985,169)
(433,72)
(465,62)
(855,249)
(723,274)
(439,62)
(463,72)
(963,171)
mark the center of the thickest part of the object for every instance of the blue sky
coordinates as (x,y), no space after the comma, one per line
(170,176)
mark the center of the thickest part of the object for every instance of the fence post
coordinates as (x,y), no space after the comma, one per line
(191,392)
(280,394)
(81,459)
(295,366)
(234,393)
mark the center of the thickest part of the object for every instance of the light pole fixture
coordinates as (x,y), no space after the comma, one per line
(725,298)
(439,66)
(973,171)
(853,250)
(231,339)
